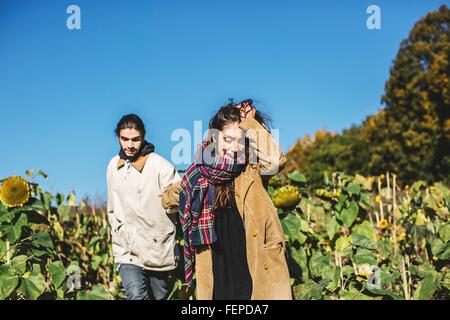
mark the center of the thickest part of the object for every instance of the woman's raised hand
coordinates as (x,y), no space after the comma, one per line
(247,109)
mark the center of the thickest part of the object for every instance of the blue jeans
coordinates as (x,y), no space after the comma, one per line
(141,284)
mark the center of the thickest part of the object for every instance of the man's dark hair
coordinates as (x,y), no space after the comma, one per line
(131,121)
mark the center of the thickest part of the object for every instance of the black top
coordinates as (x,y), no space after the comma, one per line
(232,280)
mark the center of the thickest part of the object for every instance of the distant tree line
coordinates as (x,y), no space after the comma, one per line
(410,136)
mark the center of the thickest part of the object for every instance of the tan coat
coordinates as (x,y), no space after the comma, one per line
(264,235)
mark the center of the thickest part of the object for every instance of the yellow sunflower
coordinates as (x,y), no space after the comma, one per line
(383,224)
(286,197)
(14,192)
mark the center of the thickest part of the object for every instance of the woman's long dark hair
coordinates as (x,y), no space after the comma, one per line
(226,115)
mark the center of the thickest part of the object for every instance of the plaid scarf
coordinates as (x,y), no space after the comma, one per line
(197,195)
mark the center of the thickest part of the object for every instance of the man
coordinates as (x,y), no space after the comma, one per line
(143,233)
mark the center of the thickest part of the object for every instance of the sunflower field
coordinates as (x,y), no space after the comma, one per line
(352,238)
(364,238)
(52,247)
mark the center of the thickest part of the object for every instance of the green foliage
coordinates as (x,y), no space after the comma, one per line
(335,235)
(43,241)
(339,256)
(411,134)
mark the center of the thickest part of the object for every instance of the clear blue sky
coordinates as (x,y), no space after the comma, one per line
(311,65)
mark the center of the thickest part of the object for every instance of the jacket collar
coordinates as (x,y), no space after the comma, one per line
(139,163)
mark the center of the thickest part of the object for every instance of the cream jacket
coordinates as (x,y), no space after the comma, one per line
(143,233)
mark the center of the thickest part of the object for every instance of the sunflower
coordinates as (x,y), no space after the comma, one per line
(275,182)
(14,191)
(286,197)
(383,224)
(327,195)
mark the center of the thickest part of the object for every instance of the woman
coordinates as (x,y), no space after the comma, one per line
(232,233)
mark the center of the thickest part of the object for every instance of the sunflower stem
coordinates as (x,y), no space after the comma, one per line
(394,213)
(388,181)
(377,217)
(308,213)
(8,253)
(9,248)
(405,280)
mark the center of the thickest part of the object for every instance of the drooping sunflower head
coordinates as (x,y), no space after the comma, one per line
(275,182)
(14,191)
(286,197)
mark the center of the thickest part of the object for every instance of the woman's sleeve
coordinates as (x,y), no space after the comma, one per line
(265,150)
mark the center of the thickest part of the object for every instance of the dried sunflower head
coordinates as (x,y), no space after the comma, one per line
(275,182)
(14,191)
(286,197)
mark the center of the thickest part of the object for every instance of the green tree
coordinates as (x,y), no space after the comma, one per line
(412,135)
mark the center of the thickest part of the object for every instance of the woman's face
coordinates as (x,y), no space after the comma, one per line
(231,141)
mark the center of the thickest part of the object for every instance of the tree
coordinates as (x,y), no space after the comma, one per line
(411,137)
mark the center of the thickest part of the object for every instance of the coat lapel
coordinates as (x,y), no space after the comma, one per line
(138,163)
(243,183)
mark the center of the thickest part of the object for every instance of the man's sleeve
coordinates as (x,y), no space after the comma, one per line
(110,202)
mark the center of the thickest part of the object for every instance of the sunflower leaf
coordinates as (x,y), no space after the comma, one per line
(97,293)
(348,215)
(19,264)
(57,272)
(33,285)
(42,239)
(8,281)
